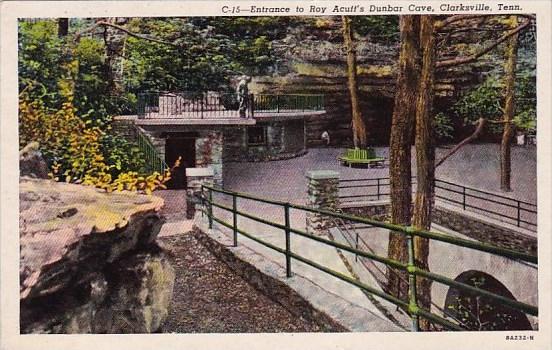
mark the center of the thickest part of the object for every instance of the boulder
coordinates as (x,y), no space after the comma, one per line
(89,261)
(31,162)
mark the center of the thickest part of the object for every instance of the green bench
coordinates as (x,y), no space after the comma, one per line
(361,156)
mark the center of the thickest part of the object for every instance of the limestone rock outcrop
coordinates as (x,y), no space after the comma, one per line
(89,262)
(31,162)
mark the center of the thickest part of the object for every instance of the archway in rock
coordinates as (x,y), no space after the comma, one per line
(481,313)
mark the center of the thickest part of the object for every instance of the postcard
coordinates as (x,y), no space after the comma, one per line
(275,174)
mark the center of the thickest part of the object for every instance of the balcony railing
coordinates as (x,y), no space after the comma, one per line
(206,105)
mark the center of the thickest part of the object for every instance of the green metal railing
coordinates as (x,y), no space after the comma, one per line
(152,158)
(411,306)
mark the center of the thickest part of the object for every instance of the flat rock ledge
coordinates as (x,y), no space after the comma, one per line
(89,261)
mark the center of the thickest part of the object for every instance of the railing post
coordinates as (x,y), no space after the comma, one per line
(252,105)
(518,213)
(210,209)
(277,103)
(412,305)
(235,219)
(378,188)
(356,245)
(201,104)
(464,197)
(288,238)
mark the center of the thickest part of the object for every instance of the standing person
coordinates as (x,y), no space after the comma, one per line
(243,94)
(326,138)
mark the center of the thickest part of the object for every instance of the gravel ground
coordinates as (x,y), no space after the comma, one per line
(175,204)
(210,298)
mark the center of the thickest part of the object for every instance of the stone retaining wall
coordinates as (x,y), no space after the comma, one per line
(284,139)
(484,231)
(466,223)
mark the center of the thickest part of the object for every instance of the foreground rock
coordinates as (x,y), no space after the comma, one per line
(89,262)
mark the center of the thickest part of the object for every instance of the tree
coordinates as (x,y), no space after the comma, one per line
(400,175)
(425,160)
(414,95)
(509,109)
(358,125)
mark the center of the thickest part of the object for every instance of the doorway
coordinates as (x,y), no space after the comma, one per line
(178,145)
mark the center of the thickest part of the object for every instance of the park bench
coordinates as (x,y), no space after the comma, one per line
(361,156)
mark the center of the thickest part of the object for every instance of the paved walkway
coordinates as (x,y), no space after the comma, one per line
(475,165)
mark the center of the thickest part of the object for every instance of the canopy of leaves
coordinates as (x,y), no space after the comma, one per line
(207,52)
(486,101)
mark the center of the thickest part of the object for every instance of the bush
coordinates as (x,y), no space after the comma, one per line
(80,154)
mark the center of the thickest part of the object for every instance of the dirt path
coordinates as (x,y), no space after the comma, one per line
(210,298)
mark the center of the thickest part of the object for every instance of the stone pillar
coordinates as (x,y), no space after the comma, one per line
(209,148)
(322,194)
(196,177)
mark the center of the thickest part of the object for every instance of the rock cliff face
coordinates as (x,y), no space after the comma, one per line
(89,262)
(313,61)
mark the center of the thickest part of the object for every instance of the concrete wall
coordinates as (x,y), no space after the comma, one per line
(450,261)
(284,139)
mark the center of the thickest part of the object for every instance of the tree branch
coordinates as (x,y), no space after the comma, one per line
(475,56)
(122,29)
(449,20)
(475,135)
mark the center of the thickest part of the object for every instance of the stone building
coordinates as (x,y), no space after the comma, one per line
(210,133)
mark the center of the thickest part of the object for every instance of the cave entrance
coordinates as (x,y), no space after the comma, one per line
(180,145)
(480,313)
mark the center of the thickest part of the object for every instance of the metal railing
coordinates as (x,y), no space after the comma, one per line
(193,105)
(510,210)
(288,103)
(152,158)
(208,105)
(410,305)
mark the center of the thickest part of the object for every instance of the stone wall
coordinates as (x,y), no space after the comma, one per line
(322,194)
(284,139)
(209,150)
(196,177)
(89,262)
(464,222)
(484,230)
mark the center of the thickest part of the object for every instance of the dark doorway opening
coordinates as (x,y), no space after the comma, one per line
(481,313)
(183,146)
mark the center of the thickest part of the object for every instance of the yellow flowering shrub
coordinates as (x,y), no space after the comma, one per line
(73,150)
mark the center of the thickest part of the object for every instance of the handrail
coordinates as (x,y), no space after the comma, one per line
(207,105)
(520,207)
(153,160)
(411,307)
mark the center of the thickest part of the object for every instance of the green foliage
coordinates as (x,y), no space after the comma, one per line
(486,101)
(483,101)
(443,126)
(66,105)
(80,154)
(43,58)
(121,155)
(39,60)
(209,51)
(378,28)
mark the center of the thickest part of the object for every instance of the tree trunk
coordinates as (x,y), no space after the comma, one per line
(358,126)
(425,161)
(400,143)
(509,108)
